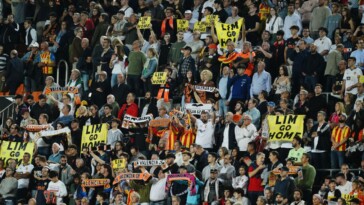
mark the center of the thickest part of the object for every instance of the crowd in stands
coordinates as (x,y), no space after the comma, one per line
(199,136)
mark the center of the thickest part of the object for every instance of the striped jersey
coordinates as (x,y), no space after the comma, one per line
(340,133)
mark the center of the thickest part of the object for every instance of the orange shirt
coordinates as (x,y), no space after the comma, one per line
(338,134)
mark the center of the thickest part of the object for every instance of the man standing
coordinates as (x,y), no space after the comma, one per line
(227,172)
(306,178)
(291,19)
(205,130)
(318,19)
(331,70)
(339,136)
(186,63)
(323,43)
(240,88)
(229,140)
(46,61)
(359,54)
(15,72)
(135,67)
(261,81)
(22,175)
(175,54)
(213,190)
(255,188)
(351,78)
(285,185)
(212,164)
(30,33)
(223,90)
(314,66)
(100,29)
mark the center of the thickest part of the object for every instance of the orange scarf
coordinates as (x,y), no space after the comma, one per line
(164,22)
(164,90)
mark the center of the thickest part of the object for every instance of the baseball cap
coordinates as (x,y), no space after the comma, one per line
(34,45)
(271,104)
(212,46)
(187,48)
(188,12)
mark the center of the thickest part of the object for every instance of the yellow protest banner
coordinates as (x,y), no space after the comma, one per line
(144,22)
(228,32)
(182,25)
(211,18)
(159,78)
(200,27)
(118,164)
(16,150)
(94,135)
(361,79)
(285,127)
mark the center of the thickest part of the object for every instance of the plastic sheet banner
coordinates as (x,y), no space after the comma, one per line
(228,32)
(200,26)
(159,78)
(144,22)
(94,135)
(182,25)
(16,150)
(285,127)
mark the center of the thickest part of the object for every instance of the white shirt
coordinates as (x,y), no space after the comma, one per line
(208,3)
(179,158)
(274,24)
(119,66)
(323,44)
(157,192)
(128,11)
(289,21)
(225,141)
(351,77)
(59,188)
(23,169)
(345,189)
(205,133)
(33,33)
(245,135)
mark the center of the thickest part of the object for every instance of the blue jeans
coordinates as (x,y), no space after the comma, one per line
(223,108)
(85,79)
(310,82)
(337,159)
(114,79)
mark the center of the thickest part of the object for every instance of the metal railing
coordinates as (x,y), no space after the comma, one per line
(66,72)
(7,112)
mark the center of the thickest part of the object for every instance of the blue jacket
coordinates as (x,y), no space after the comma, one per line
(240,87)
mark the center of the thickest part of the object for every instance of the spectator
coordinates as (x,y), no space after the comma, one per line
(305,181)
(57,186)
(261,81)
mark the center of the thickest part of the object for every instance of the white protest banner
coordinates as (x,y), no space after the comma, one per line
(132,119)
(205,88)
(197,108)
(48,133)
(149,163)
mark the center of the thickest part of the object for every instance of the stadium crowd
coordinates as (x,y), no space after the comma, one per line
(185,109)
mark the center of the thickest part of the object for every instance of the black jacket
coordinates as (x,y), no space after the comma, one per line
(324,137)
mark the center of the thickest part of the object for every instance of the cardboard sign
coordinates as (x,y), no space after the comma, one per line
(361,79)
(182,25)
(159,123)
(94,135)
(197,108)
(16,150)
(118,164)
(285,127)
(144,22)
(159,78)
(228,32)
(200,27)
(211,18)
(73,90)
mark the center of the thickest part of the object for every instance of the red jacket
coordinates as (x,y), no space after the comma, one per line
(132,110)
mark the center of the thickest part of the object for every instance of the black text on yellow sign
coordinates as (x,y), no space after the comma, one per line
(159,78)
(94,135)
(182,25)
(144,22)
(16,150)
(228,32)
(285,127)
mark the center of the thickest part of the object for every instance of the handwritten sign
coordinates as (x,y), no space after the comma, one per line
(159,78)
(16,150)
(94,135)
(182,25)
(144,22)
(200,26)
(211,19)
(285,127)
(228,32)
